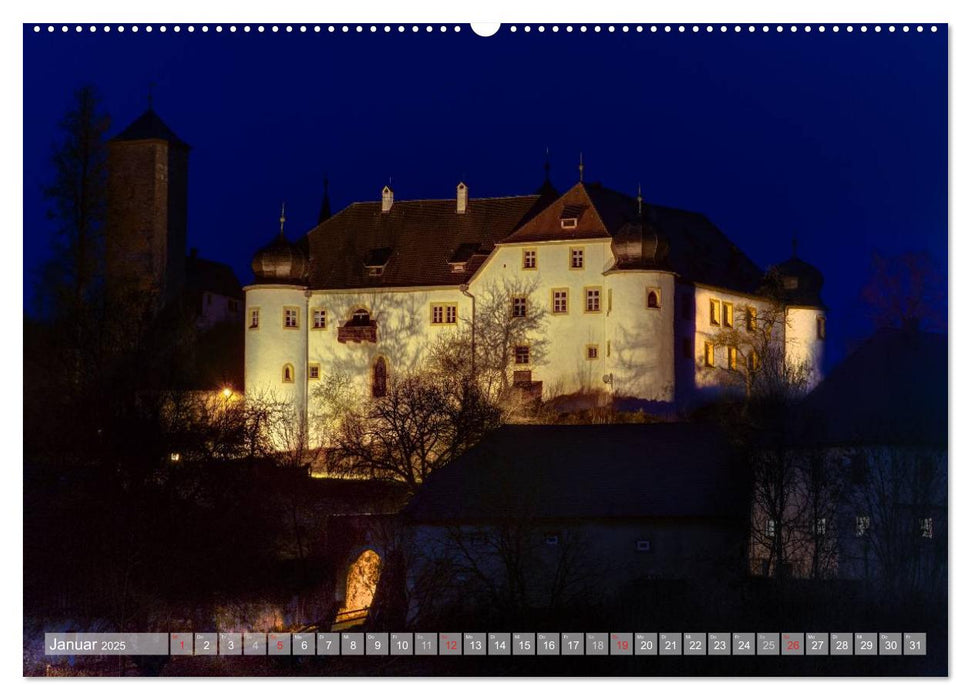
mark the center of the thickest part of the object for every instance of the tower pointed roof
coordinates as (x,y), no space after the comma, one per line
(149,126)
(325,212)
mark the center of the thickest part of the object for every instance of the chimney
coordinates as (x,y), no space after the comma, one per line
(387,199)
(461,198)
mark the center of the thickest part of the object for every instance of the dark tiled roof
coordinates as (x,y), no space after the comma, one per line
(203,275)
(698,251)
(892,390)
(667,470)
(421,234)
(809,283)
(149,126)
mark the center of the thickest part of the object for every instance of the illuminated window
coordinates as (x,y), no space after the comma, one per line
(444,314)
(254,319)
(529,259)
(862,525)
(320,318)
(519,307)
(561,301)
(770,528)
(593,351)
(592,295)
(288,374)
(709,354)
(522,354)
(728,314)
(313,370)
(926,528)
(821,327)
(732,358)
(379,378)
(291,317)
(653,298)
(576,258)
(750,318)
(753,360)
(569,222)
(714,312)
(820,527)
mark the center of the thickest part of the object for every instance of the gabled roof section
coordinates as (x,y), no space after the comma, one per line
(149,126)
(202,275)
(570,472)
(892,390)
(699,252)
(422,234)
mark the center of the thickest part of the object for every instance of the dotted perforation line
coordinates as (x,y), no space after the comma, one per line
(428,28)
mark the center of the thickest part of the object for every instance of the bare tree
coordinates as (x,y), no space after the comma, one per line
(906,291)
(423,422)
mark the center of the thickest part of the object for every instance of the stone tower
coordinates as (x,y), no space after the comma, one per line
(148,178)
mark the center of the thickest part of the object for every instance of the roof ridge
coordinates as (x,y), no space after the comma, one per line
(448,199)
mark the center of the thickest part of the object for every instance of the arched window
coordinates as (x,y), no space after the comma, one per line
(288,374)
(361,317)
(379,378)
(653,299)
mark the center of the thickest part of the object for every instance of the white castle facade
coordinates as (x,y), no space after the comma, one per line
(639,301)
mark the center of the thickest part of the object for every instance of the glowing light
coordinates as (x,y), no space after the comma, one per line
(227,392)
(175,457)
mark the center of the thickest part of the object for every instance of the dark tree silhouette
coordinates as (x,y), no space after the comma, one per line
(906,291)
(69,285)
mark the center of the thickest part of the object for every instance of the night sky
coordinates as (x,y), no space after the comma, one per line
(839,139)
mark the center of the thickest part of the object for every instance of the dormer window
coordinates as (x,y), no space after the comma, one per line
(790,282)
(457,266)
(570,216)
(375,261)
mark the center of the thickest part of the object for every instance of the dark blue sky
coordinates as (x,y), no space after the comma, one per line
(840,139)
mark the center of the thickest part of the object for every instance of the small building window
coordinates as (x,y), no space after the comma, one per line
(728,314)
(529,258)
(444,314)
(320,319)
(687,351)
(750,317)
(561,301)
(593,351)
(819,528)
(232,305)
(313,370)
(643,546)
(521,353)
(715,312)
(361,317)
(519,307)
(926,528)
(709,354)
(862,525)
(552,539)
(457,266)
(254,319)
(653,298)
(592,295)
(821,327)
(570,222)
(790,282)
(732,358)
(753,361)
(770,528)
(379,378)
(576,258)
(291,317)
(288,374)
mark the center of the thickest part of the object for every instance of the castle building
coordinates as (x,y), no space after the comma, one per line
(638,301)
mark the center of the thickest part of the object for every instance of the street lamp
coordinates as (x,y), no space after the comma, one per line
(464,288)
